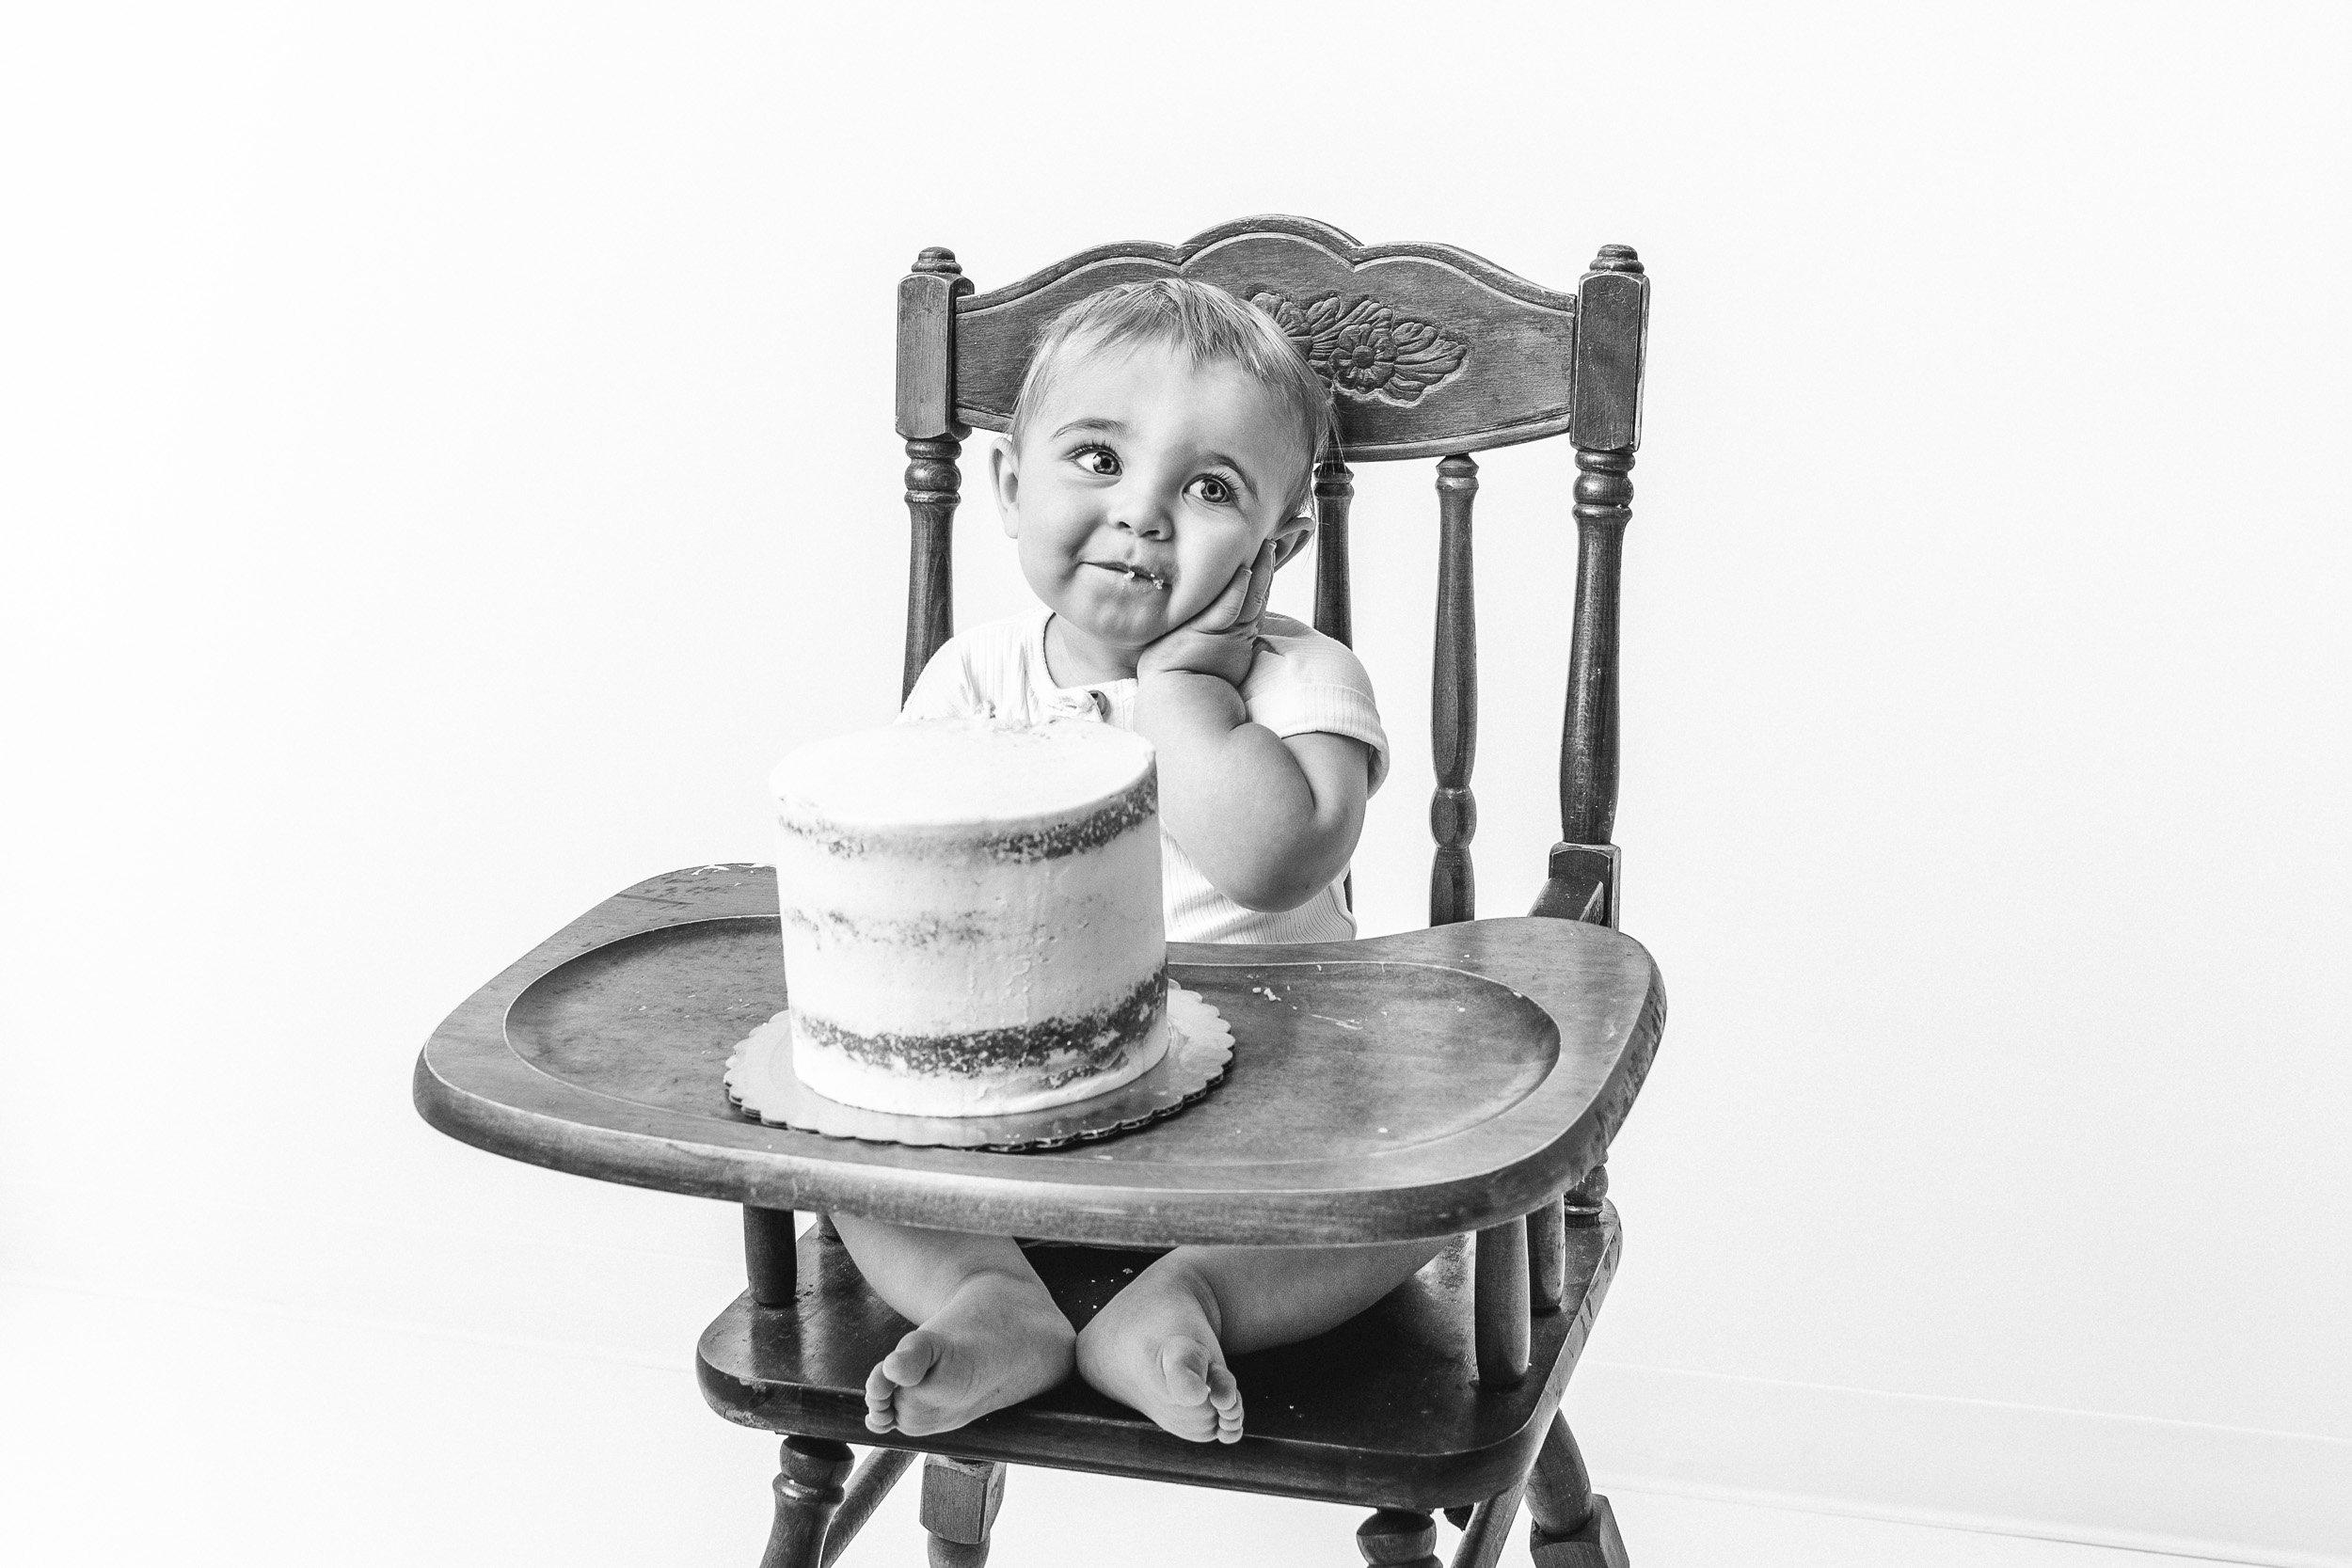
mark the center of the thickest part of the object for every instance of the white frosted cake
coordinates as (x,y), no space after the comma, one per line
(971,915)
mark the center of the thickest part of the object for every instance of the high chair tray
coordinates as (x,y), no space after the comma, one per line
(1417,1084)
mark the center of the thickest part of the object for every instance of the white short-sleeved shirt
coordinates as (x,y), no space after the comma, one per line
(1301,683)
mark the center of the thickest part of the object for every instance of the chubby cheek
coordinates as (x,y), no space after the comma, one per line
(1205,578)
(1192,596)
(1043,561)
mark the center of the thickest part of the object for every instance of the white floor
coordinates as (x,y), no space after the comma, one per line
(140,1431)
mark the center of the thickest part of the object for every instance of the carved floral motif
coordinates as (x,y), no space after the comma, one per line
(1364,349)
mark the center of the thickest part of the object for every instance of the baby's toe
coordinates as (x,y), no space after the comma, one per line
(906,1365)
(881,1402)
(1225,1400)
(1185,1367)
(1224,1393)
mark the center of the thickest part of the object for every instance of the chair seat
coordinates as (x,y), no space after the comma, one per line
(1384,1411)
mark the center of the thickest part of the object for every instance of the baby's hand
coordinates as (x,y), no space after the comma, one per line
(1223,639)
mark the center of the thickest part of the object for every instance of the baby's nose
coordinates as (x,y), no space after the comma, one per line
(1143,512)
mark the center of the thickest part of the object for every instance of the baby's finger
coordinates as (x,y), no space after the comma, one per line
(1225,612)
(1261,586)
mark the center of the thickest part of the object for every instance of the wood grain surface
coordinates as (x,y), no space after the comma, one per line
(1420,1085)
(1385,1410)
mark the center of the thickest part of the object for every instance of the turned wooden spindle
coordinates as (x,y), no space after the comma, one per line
(934,439)
(1498,1305)
(934,485)
(1398,1538)
(1547,1258)
(809,1489)
(1588,763)
(771,1256)
(1335,488)
(1453,698)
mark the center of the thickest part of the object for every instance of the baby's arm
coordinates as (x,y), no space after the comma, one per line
(1270,820)
(944,690)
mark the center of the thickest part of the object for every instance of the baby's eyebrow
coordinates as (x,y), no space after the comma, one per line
(1219,457)
(1108,427)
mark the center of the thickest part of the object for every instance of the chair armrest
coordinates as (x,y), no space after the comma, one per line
(1583,884)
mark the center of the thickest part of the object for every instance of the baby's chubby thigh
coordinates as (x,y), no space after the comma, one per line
(1268,1296)
(916,1269)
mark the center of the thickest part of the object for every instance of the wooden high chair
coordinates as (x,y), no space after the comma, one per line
(1514,1048)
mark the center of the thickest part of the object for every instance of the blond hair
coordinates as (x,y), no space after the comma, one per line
(1213,328)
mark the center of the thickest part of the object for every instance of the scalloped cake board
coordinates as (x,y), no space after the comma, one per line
(762,1085)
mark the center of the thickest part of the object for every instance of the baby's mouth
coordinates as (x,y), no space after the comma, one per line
(1142,576)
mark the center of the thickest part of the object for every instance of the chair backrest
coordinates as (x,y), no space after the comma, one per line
(1431,352)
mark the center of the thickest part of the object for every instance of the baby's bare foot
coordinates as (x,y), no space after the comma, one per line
(995,1343)
(1154,1349)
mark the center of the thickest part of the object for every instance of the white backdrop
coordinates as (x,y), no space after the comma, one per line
(448,457)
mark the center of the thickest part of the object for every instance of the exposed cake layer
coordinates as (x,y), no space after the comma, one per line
(971,913)
(988,1071)
(924,942)
(1044,838)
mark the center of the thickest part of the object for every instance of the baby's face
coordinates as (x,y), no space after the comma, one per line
(1142,484)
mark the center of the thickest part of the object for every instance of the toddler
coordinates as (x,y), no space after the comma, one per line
(1158,473)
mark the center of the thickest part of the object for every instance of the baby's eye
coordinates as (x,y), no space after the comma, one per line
(1096,460)
(1215,491)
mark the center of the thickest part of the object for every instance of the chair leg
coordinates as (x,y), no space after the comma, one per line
(809,1489)
(959,1501)
(1398,1538)
(1490,1527)
(875,1476)
(1573,1527)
